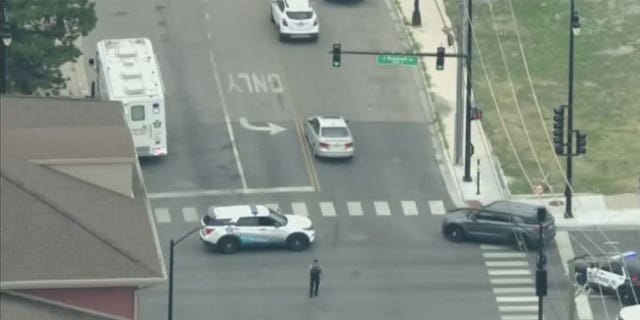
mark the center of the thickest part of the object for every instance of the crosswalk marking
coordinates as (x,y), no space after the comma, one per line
(273,206)
(503,255)
(437,207)
(409,208)
(299,209)
(355,208)
(382,208)
(190,214)
(509,263)
(162,215)
(511,281)
(516,299)
(517,308)
(493,247)
(511,290)
(520,317)
(327,208)
(509,272)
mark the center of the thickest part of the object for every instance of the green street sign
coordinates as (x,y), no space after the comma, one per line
(388,59)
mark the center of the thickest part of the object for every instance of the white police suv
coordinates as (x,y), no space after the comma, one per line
(618,274)
(232,227)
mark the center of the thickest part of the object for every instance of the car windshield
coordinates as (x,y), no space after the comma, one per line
(282,220)
(335,132)
(300,15)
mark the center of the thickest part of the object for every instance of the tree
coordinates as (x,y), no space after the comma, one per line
(44,35)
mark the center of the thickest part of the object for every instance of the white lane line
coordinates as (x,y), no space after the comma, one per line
(409,208)
(520,317)
(190,214)
(511,281)
(493,247)
(566,252)
(503,255)
(516,299)
(162,215)
(327,208)
(227,120)
(382,208)
(517,308)
(437,207)
(511,263)
(512,290)
(299,209)
(509,272)
(223,192)
(355,208)
(273,206)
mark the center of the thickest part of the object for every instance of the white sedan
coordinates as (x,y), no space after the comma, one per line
(329,137)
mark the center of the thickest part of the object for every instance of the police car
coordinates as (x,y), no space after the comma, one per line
(232,227)
(618,274)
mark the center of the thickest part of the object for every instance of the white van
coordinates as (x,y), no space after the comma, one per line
(630,313)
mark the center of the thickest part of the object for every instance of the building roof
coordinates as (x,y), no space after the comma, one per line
(74,211)
(16,307)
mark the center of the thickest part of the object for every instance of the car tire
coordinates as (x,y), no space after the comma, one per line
(282,36)
(315,37)
(626,296)
(454,233)
(297,242)
(228,245)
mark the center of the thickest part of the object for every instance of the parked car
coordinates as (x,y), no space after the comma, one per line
(503,221)
(617,274)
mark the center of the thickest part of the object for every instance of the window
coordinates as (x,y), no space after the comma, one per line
(215,222)
(248,222)
(315,125)
(266,222)
(281,5)
(335,132)
(492,217)
(137,113)
(300,15)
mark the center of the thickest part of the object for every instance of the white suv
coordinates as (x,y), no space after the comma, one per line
(295,18)
(232,227)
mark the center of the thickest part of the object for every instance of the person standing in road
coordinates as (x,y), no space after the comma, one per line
(315,271)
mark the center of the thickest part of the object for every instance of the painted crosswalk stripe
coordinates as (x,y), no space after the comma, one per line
(299,209)
(409,208)
(513,290)
(354,208)
(516,299)
(273,206)
(509,272)
(511,281)
(520,317)
(327,208)
(503,255)
(517,308)
(162,215)
(437,207)
(509,263)
(190,214)
(493,247)
(382,208)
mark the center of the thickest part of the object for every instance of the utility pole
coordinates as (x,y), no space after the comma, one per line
(574,29)
(459,125)
(467,138)
(416,18)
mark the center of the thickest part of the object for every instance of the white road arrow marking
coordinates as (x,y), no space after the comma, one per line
(271,127)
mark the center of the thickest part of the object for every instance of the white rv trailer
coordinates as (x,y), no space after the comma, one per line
(128,72)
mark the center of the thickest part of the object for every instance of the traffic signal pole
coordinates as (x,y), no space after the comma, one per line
(468,147)
(568,188)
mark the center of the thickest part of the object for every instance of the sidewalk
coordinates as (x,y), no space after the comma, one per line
(589,211)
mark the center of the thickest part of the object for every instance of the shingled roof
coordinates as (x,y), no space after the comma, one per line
(74,211)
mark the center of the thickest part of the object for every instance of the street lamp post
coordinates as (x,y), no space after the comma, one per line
(541,272)
(468,147)
(172,244)
(416,19)
(574,30)
(7,37)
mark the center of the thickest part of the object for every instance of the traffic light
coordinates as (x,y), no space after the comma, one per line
(440,58)
(558,129)
(581,142)
(336,55)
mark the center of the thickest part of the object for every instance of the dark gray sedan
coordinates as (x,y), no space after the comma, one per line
(501,221)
